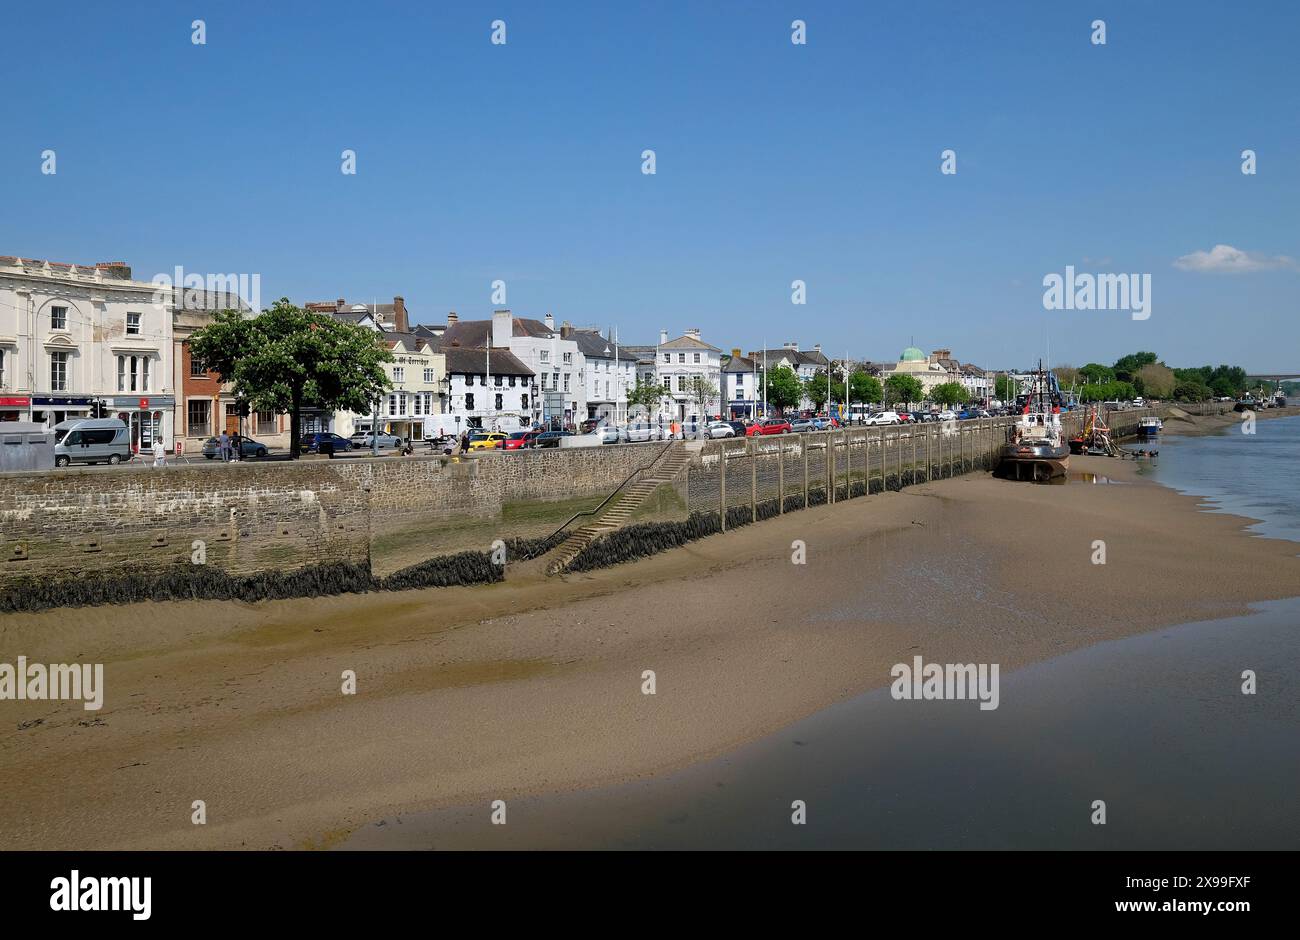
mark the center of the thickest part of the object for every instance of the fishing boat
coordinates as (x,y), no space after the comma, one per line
(1150,427)
(1038,449)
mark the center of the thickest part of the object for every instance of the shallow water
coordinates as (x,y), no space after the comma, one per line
(1155,725)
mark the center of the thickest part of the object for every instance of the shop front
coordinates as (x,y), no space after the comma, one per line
(52,409)
(144,416)
(14,407)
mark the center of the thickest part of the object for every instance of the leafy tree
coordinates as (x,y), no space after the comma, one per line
(815,388)
(1126,367)
(1004,388)
(1157,380)
(1223,387)
(1067,375)
(645,395)
(1192,391)
(1095,373)
(864,388)
(903,389)
(949,393)
(287,358)
(703,393)
(784,390)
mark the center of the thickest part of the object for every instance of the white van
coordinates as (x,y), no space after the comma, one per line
(91,440)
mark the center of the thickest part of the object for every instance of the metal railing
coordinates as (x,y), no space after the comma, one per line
(617,490)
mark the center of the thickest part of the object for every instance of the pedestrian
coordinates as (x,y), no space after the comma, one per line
(159,453)
(224,442)
(464,442)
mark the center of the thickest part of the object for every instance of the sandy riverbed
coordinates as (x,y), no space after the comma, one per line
(535,685)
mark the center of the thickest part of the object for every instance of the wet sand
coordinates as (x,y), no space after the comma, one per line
(533,685)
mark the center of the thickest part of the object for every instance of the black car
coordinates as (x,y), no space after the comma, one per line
(312,442)
(551,438)
(739,427)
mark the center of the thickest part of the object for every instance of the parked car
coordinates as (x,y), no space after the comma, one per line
(881,418)
(740,427)
(387,441)
(905,417)
(947,415)
(487,440)
(312,442)
(246,445)
(640,431)
(91,440)
(519,440)
(549,438)
(803,425)
(610,434)
(718,429)
(769,426)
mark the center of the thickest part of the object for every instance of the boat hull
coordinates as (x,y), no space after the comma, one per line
(1037,462)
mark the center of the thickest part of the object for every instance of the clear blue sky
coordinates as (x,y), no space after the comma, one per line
(775,162)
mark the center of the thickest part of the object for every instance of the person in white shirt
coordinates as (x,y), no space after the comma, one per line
(159,453)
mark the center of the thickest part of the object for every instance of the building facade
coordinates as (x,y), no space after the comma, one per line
(83,340)
(684,366)
(740,386)
(609,373)
(489,389)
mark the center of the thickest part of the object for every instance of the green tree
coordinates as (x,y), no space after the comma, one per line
(287,358)
(1157,380)
(703,393)
(864,388)
(1095,373)
(949,393)
(1067,375)
(903,389)
(1126,367)
(1004,388)
(645,395)
(784,390)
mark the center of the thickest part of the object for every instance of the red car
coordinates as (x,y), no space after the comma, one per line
(770,426)
(519,440)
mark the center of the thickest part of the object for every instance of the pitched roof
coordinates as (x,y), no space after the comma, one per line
(479,332)
(738,364)
(473,360)
(640,353)
(687,342)
(592,344)
(412,341)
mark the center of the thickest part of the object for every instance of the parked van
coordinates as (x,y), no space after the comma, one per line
(91,440)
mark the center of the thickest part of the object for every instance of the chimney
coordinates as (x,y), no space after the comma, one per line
(817,347)
(340,305)
(502,328)
(566,330)
(663,337)
(119,270)
(792,345)
(735,353)
(452,318)
(550,322)
(399,316)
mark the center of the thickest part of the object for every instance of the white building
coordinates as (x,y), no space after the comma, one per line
(80,339)
(741,387)
(609,372)
(679,363)
(555,360)
(489,388)
(805,365)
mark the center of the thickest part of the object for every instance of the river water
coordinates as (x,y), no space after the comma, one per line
(1155,725)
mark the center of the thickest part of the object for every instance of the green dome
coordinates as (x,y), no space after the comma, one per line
(912,354)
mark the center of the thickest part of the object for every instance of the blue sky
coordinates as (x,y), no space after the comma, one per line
(774,162)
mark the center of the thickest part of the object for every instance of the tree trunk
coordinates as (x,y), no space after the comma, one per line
(295,423)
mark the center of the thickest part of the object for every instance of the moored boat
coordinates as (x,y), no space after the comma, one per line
(1150,427)
(1038,449)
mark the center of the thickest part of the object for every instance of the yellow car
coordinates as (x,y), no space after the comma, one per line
(489,441)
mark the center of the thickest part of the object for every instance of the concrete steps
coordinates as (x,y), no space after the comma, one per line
(621,509)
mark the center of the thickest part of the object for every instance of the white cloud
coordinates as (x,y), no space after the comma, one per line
(1224,259)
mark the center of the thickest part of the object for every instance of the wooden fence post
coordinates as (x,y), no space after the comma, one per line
(722,484)
(753,484)
(780,482)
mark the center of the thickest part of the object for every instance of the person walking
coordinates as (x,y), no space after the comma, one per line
(224,442)
(159,453)
(464,442)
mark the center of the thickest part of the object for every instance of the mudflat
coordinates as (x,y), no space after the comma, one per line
(534,684)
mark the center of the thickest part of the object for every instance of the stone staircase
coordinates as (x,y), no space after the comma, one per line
(620,508)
